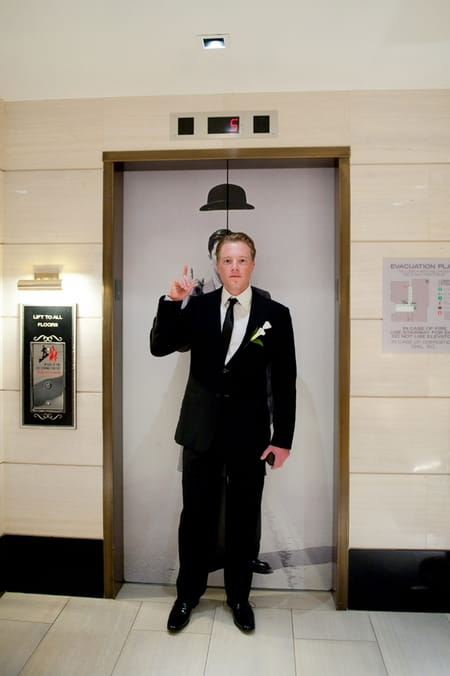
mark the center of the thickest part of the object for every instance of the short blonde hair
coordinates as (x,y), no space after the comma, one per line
(237,237)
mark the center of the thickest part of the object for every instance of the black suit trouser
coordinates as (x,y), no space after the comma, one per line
(203,478)
(216,558)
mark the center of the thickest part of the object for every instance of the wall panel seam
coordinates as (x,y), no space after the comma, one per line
(398,396)
(401,241)
(49,464)
(400,164)
(398,474)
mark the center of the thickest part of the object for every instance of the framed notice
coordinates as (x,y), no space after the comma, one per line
(416,305)
(48,365)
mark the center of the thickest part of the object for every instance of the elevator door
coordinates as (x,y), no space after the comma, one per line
(293,225)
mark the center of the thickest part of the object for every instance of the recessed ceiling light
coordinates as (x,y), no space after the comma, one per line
(214,41)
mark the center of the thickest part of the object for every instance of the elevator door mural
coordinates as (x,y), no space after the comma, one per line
(293,225)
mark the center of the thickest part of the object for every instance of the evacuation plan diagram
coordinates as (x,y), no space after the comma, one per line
(416,305)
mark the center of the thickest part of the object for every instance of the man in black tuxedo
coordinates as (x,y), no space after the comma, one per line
(206,286)
(225,426)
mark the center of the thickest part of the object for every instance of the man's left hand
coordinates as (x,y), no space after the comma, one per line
(280,455)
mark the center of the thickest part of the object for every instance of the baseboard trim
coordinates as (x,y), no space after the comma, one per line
(399,580)
(51,565)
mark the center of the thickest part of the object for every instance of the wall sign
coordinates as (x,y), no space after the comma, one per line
(416,305)
(48,365)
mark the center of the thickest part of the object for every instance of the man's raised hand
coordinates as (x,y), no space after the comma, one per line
(181,288)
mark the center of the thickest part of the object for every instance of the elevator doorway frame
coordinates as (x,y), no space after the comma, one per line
(114,165)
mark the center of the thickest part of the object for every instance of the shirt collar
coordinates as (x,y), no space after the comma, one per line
(244,298)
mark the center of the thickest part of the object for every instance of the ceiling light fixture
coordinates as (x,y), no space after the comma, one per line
(214,41)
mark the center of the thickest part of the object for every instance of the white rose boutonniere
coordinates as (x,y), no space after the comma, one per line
(260,332)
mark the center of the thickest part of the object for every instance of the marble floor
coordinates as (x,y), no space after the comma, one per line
(297,634)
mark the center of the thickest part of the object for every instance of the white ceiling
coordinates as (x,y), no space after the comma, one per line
(52,49)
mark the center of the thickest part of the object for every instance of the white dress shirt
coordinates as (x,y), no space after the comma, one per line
(241,314)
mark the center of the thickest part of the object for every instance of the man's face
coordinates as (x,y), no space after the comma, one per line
(235,267)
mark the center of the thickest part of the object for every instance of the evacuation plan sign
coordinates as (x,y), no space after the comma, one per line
(416,305)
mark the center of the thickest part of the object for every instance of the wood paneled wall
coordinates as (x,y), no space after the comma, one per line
(51,192)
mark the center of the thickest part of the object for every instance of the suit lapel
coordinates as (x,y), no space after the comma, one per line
(212,316)
(258,315)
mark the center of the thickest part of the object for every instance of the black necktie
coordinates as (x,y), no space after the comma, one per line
(228,323)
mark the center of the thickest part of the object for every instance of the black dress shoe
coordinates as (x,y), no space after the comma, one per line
(261,567)
(179,615)
(243,615)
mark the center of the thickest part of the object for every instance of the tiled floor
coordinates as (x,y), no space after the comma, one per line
(297,634)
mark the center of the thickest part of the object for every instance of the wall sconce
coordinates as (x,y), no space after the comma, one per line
(46,278)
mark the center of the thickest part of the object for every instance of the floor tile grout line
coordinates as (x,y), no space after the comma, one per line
(130,629)
(338,640)
(62,609)
(20,621)
(378,643)
(210,640)
(58,613)
(36,647)
(49,628)
(294,656)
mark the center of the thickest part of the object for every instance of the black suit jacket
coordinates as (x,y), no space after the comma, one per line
(242,383)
